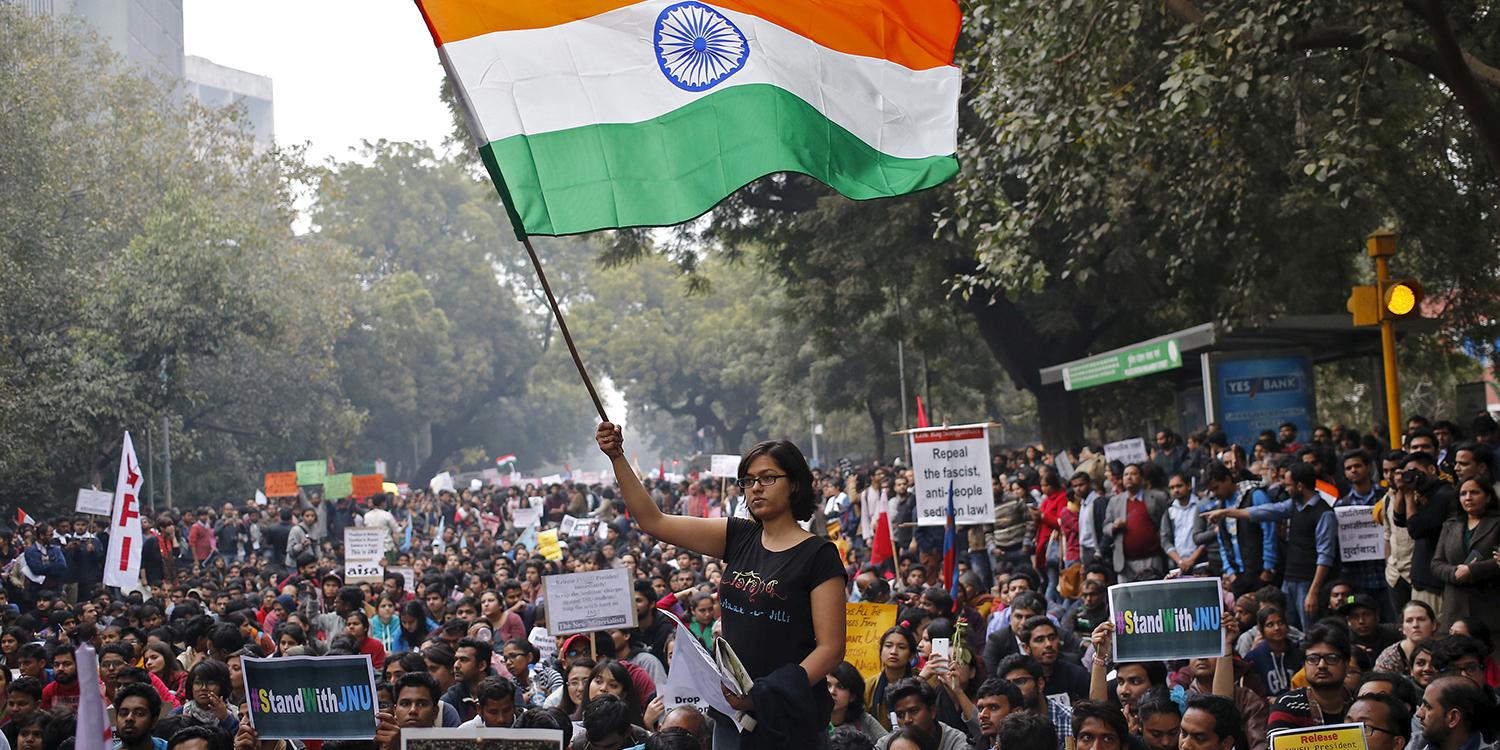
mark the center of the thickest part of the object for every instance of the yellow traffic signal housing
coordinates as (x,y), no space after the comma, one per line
(1364,303)
(1401,298)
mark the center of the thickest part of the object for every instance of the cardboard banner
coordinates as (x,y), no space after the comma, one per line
(1132,451)
(546,544)
(94,502)
(338,486)
(583,602)
(365,485)
(281,484)
(864,624)
(1360,537)
(364,554)
(311,697)
(960,455)
(312,471)
(1331,737)
(1164,620)
(481,738)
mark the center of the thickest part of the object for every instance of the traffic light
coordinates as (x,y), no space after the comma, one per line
(1401,298)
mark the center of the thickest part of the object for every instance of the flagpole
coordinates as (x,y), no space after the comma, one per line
(562,325)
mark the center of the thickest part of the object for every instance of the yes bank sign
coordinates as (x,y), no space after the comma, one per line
(1256,394)
(1252,387)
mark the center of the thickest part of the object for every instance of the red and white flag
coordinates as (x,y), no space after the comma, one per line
(1328,492)
(122,563)
(22,519)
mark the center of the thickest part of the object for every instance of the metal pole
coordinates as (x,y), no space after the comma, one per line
(812,427)
(150,460)
(166,451)
(1388,357)
(905,425)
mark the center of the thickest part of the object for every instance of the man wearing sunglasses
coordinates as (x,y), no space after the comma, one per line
(1325,700)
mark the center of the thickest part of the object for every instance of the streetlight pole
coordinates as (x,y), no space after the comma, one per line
(905,425)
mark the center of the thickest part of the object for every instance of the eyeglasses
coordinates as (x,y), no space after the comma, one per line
(1371,729)
(1329,659)
(1469,668)
(765,480)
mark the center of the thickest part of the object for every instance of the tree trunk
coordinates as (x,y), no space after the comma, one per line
(877,421)
(444,444)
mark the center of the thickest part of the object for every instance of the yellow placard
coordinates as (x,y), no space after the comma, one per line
(546,543)
(865,622)
(1336,737)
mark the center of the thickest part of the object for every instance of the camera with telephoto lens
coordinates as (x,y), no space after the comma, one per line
(1414,478)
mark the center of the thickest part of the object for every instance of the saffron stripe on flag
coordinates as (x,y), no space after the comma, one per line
(917,34)
(526,83)
(676,167)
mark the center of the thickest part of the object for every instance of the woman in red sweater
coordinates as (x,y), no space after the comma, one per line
(357,626)
(1049,530)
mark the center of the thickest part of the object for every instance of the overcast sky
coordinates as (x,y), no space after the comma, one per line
(342,70)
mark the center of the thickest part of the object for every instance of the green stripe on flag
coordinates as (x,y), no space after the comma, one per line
(678,166)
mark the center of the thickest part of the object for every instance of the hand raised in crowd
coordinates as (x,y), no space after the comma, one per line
(247,739)
(1103,639)
(387,733)
(654,711)
(936,668)
(611,440)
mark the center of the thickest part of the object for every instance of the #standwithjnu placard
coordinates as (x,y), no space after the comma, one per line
(1161,620)
(311,697)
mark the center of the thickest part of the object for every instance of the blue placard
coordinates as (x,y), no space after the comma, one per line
(1252,395)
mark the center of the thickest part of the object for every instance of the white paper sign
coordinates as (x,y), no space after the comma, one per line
(544,643)
(584,602)
(523,517)
(576,528)
(260,498)
(1064,466)
(724,465)
(961,456)
(364,554)
(1132,451)
(408,578)
(1360,538)
(94,502)
(441,482)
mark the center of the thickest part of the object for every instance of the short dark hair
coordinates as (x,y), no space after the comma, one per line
(1032,623)
(439,653)
(1304,474)
(420,680)
(1401,687)
(1228,721)
(1156,671)
(1330,635)
(30,686)
(549,717)
(136,690)
(1153,706)
(672,738)
(1003,688)
(1469,699)
(605,716)
(908,687)
(1019,661)
(1455,647)
(483,651)
(1112,717)
(916,735)
(215,738)
(209,670)
(494,689)
(1026,729)
(789,458)
(849,738)
(1399,713)
(1030,601)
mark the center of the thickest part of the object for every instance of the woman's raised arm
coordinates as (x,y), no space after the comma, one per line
(706,536)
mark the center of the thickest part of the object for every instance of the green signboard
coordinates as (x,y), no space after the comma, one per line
(311,472)
(338,486)
(1130,363)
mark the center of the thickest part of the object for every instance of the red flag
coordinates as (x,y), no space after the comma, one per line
(921,413)
(882,548)
(22,519)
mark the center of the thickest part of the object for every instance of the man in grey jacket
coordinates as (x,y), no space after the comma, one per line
(1133,521)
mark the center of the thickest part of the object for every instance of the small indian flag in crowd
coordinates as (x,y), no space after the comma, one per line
(22,519)
(1328,492)
(594,114)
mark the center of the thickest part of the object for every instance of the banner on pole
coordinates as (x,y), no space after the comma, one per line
(724,465)
(1165,620)
(311,472)
(122,561)
(865,622)
(960,455)
(582,602)
(311,697)
(1360,537)
(281,484)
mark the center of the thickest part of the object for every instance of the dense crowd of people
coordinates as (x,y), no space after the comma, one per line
(1015,652)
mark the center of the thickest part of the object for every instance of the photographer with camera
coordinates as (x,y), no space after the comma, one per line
(1423,503)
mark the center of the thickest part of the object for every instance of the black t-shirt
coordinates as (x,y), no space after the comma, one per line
(766,597)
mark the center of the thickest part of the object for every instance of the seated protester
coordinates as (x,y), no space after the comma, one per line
(200,738)
(849,738)
(1327,652)
(847,687)
(913,701)
(136,708)
(1007,640)
(532,676)
(31,732)
(910,738)
(22,699)
(1211,722)
(62,692)
(1268,596)
(1093,610)
(607,725)
(953,682)
(1422,671)
(496,701)
(997,700)
(1135,682)
(629,647)
(471,664)
(611,677)
(1456,714)
(439,660)
(672,739)
(1041,640)
(33,663)
(1024,729)
(417,701)
(1026,674)
(547,718)
(1277,657)
(208,703)
(1460,656)
(1098,726)
(1476,629)
(898,650)
(1386,719)
(1218,677)
(1158,723)
(357,626)
(1366,630)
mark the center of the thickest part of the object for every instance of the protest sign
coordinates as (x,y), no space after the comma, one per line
(409,578)
(724,465)
(480,738)
(390,488)
(311,697)
(364,554)
(338,486)
(94,502)
(546,543)
(1164,620)
(544,642)
(1132,451)
(523,517)
(1331,737)
(281,484)
(960,455)
(312,472)
(441,483)
(864,624)
(1064,465)
(581,602)
(365,485)
(694,678)
(1360,538)
(576,528)
(260,498)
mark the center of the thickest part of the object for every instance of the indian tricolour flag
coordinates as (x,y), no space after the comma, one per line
(595,114)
